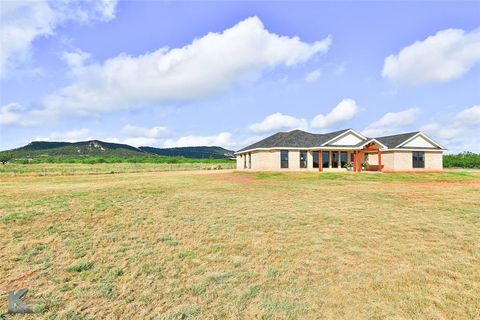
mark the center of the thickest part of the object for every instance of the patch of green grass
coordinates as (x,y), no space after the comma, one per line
(169,240)
(446,176)
(98,290)
(283,307)
(68,169)
(252,292)
(80,266)
(19,216)
(47,303)
(182,255)
(266,175)
(27,255)
(185,313)
(272,273)
(151,269)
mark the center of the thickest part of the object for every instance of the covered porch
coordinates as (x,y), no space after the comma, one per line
(352,159)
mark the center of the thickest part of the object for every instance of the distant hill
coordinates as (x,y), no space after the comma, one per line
(191,152)
(96,148)
(38,149)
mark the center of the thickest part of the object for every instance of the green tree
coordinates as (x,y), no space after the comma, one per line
(5,157)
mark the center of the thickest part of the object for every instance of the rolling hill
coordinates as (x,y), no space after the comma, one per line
(97,148)
(191,152)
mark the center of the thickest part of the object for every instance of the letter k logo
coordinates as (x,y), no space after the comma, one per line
(15,305)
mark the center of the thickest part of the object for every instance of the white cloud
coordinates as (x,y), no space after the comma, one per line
(313,75)
(21,22)
(208,65)
(86,10)
(223,139)
(459,135)
(278,121)
(391,123)
(141,132)
(140,136)
(75,59)
(443,133)
(346,110)
(14,114)
(444,56)
(73,135)
(140,141)
(469,116)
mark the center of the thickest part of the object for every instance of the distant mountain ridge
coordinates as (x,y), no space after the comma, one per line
(191,152)
(38,149)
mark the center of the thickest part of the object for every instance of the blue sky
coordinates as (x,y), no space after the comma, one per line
(228,73)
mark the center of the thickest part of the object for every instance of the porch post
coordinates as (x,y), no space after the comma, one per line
(379,160)
(359,161)
(320,160)
(354,161)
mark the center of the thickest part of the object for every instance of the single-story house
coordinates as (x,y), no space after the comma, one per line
(342,150)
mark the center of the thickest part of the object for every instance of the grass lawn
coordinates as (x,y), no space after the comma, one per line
(231,245)
(55,169)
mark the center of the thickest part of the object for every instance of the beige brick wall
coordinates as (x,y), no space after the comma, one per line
(388,161)
(434,160)
(240,161)
(392,161)
(266,160)
(402,161)
(270,161)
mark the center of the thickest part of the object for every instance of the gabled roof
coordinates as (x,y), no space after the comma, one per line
(294,139)
(304,140)
(345,133)
(425,137)
(398,141)
(395,140)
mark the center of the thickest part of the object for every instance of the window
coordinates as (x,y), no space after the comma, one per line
(335,159)
(284,159)
(249,161)
(418,158)
(325,159)
(367,156)
(315,159)
(352,157)
(343,159)
(244,161)
(303,159)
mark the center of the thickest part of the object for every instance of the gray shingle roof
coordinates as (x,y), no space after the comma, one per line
(302,139)
(294,139)
(394,140)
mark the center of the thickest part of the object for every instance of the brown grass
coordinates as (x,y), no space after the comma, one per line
(226,245)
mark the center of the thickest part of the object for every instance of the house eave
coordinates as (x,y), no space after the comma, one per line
(415,149)
(299,148)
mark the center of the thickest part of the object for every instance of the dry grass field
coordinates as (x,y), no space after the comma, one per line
(229,245)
